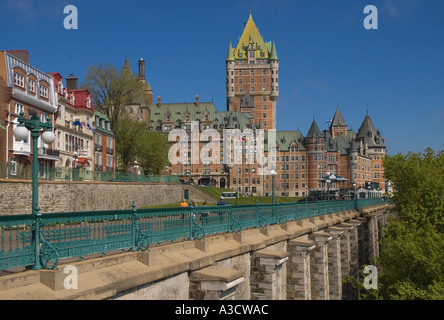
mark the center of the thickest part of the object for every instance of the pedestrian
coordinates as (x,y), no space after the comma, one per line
(204,215)
(184,203)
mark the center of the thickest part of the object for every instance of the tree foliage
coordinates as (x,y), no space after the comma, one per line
(411,263)
(134,141)
(112,91)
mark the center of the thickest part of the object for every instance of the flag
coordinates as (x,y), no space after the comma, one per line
(77,123)
(331,120)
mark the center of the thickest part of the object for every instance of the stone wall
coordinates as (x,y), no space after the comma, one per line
(15,196)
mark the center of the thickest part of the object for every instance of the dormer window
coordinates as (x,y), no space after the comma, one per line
(60,88)
(31,85)
(44,91)
(88,102)
(72,99)
(19,80)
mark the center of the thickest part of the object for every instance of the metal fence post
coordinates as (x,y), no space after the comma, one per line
(133,227)
(38,218)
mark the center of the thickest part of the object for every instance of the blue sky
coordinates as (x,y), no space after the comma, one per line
(327,57)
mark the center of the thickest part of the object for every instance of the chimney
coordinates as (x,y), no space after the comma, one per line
(197,100)
(72,83)
(22,55)
(158,102)
(141,69)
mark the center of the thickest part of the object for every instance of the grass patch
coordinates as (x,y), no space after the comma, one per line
(213,192)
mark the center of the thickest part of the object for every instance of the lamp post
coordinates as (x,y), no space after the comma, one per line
(21,132)
(273,175)
(328,181)
(74,165)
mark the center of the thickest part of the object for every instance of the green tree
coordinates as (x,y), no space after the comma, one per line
(113,91)
(411,263)
(134,141)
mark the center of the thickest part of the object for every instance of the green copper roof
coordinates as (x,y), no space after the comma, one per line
(230,56)
(273,53)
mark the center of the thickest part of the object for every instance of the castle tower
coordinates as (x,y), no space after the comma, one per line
(338,126)
(253,77)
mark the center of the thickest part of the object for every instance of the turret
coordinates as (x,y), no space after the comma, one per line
(274,66)
(230,62)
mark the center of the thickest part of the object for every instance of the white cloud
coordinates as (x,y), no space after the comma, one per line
(399,8)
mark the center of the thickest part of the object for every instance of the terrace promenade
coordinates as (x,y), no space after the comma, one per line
(215,252)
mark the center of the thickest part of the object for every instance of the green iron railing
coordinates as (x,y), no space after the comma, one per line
(16,171)
(78,234)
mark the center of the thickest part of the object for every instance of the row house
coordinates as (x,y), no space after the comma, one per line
(74,128)
(24,88)
(104,146)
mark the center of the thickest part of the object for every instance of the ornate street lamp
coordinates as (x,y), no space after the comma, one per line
(21,132)
(328,181)
(273,176)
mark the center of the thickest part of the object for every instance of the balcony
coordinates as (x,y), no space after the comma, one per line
(49,154)
(109,150)
(98,147)
(22,148)
(98,167)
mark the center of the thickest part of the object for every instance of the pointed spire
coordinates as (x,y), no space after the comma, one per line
(314,129)
(338,119)
(127,66)
(230,55)
(273,53)
(353,147)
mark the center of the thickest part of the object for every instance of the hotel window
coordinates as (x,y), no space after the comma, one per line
(43,117)
(252,72)
(19,108)
(252,80)
(252,89)
(13,166)
(44,91)
(31,85)
(19,80)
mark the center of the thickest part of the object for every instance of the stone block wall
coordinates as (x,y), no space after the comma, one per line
(15,196)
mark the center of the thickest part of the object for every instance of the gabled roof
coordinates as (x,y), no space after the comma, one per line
(81,97)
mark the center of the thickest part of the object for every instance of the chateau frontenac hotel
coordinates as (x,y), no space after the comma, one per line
(340,157)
